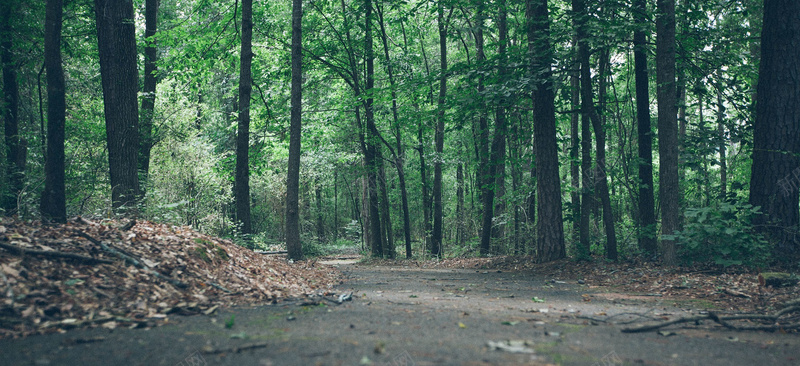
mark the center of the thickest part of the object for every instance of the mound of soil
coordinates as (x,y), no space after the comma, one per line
(84,273)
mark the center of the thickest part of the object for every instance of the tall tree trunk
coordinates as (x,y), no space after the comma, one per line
(647,218)
(242,179)
(550,224)
(388,232)
(776,136)
(438,214)
(15,172)
(600,152)
(148,90)
(116,39)
(575,147)
(499,140)
(399,157)
(668,190)
(460,215)
(320,217)
(485,177)
(54,195)
(587,180)
(293,245)
(373,156)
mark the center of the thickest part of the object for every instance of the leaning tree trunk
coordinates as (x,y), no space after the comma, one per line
(116,43)
(54,195)
(242,179)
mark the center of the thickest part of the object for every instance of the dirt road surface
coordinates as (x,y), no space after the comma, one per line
(402,315)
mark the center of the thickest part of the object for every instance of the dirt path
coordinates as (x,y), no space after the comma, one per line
(413,316)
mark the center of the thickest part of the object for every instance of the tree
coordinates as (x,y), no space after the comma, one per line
(116,43)
(438,215)
(646,205)
(668,190)
(15,166)
(148,89)
(293,245)
(775,171)
(549,225)
(242,179)
(53,204)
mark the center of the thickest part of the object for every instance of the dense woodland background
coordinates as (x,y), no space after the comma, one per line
(544,128)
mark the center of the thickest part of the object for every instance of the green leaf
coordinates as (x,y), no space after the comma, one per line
(536,299)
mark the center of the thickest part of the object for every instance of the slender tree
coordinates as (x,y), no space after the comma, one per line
(148,89)
(54,195)
(293,245)
(438,215)
(668,190)
(242,178)
(10,108)
(116,40)
(776,135)
(550,224)
(646,205)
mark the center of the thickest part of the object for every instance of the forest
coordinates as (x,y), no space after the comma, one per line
(663,129)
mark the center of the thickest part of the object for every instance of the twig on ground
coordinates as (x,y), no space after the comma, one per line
(237,349)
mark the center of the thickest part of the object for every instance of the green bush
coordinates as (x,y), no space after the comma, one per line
(722,234)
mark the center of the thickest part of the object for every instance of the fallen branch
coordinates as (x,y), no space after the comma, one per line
(130,260)
(53,254)
(789,307)
(215,351)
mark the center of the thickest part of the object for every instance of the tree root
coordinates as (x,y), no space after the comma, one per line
(774,318)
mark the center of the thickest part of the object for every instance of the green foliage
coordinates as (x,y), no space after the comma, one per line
(723,234)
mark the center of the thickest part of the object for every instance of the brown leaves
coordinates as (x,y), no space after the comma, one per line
(43,294)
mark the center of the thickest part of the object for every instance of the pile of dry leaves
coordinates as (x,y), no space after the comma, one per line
(734,289)
(99,274)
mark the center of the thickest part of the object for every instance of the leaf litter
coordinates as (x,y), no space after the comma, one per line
(178,271)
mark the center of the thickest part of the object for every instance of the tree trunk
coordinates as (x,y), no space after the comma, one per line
(575,146)
(426,198)
(436,238)
(373,156)
(668,191)
(647,218)
(550,230)
(600,152)
(15,172)
(242,179)
(54,195)
(723,159)
(148,90)
(587,180)
(399,157)
(293,245)
(116,39)
(320,217)
(500,129)
(486,177)
(776,135)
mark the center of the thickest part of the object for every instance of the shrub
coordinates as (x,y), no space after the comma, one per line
(723,234)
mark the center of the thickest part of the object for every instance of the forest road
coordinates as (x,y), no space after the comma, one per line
(413,316)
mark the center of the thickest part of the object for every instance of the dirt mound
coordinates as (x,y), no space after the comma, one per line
(85,273)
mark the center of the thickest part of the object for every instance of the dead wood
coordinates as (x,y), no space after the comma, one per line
(774,320)
(130,260)
(53,254)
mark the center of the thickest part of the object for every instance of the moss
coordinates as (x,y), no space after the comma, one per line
(201,253)
(222,254)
